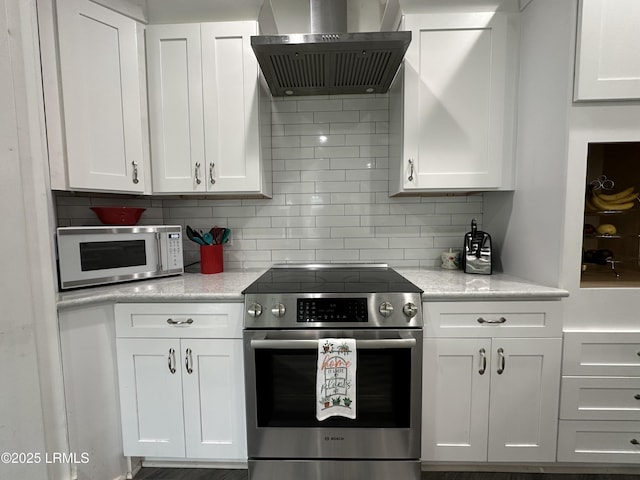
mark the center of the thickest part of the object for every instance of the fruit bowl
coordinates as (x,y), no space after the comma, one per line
(118,215)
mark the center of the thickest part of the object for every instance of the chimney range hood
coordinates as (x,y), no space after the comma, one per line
(329,60)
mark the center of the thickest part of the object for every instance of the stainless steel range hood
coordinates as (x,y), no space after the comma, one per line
(328,60)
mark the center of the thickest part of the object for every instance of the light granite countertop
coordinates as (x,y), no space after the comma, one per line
(438,285)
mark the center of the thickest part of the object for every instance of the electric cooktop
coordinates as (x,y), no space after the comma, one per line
(343,278)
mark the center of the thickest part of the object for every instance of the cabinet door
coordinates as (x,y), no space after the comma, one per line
(101,98)
(607,56)
(455,391)
(150,380)
(231,107)
(454,102)
(525,385)
(174,67)
(213,384)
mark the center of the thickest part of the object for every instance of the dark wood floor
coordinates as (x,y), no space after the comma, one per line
(211,474)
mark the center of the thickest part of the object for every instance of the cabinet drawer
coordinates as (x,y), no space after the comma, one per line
(599,353)
(495,319)
(599,442)
(179,320)
(600,398)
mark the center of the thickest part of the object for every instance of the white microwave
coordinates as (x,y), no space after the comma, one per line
(101,255)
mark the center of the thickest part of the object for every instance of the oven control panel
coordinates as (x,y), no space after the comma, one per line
(339,310)
(281,311)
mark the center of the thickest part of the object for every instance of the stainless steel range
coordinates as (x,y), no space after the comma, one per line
(290,310)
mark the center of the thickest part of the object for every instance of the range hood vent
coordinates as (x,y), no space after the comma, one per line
(330,62)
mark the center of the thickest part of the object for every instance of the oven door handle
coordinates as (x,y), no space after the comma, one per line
(286,344)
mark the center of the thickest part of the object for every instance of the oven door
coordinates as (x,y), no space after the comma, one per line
(280,374)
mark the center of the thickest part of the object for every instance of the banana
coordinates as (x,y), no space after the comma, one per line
(597,202)
(590,206)
(616,197)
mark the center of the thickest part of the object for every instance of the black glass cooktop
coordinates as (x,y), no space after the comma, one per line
(332,279)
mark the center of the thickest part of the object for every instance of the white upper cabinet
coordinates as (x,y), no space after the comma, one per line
(608,50)
(451,108)
(174,70)
(210,114)
(102,99)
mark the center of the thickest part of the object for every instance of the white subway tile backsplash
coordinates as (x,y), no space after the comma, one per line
(337,152)
(293,256)
(292,153)
(320,210)
(300,222)
(301,187)
(330,196)
(338,221)
(291,118)
(341,256)
(322,140)
(319,105)
(352,128)
(336,117)
(280,244)
(311,129)
(317,244)
(367,103)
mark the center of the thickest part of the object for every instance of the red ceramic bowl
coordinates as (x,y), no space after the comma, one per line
(118,215)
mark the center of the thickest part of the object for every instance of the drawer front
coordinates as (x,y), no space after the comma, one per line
(598,353)
(494,319)
(599,442)
(600,398)
(179,320)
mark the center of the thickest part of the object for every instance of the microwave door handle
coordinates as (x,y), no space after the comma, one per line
(287,344)
(158,252)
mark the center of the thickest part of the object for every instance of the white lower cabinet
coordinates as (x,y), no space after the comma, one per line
(490,397)
(600,402)
(181,397)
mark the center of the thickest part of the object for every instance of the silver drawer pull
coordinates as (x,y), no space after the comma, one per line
(499,320)
(483,361)
(188,361)
(172,360)
(171,321)
(634,442)
(501,359)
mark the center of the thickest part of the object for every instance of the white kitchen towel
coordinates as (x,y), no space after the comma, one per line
(336,378)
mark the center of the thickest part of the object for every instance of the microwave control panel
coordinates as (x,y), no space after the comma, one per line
(174,250)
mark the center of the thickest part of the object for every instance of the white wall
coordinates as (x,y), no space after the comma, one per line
(31,403)
(529,224)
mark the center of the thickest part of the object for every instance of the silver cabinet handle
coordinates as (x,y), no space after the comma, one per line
(634,442)
(188,361)
(211,167)
(483,361)
(197,173)
(501,359)
(172,360)
(135,172)
(485,321)
(410,170)
(171,321)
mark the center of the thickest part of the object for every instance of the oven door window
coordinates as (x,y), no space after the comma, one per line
(286,384)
